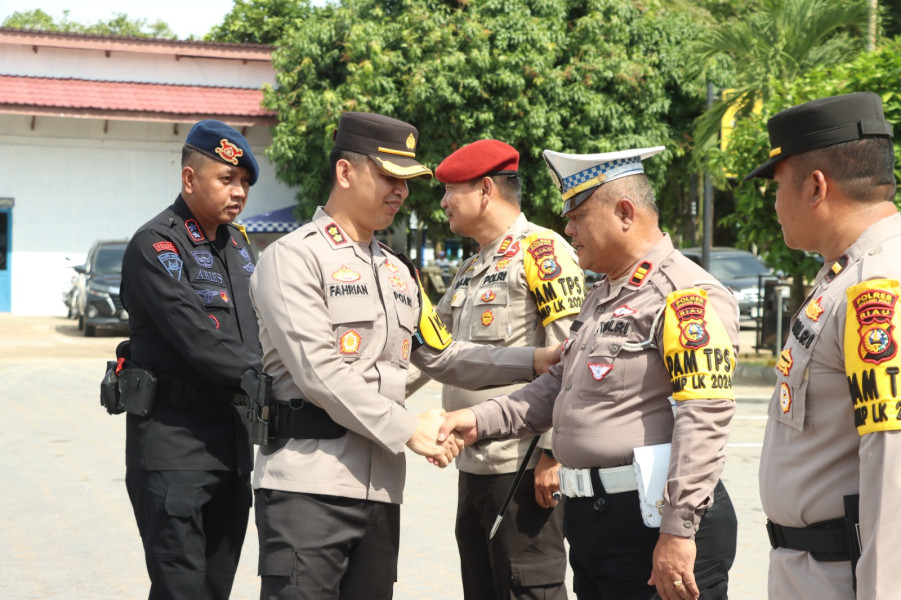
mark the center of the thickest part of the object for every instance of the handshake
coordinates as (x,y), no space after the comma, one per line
(440,436)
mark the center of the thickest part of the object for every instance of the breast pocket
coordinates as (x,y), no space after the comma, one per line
(353,323)
(792,378)
(606,368)
(490,316)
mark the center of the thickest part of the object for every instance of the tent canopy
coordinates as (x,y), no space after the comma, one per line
(281,220)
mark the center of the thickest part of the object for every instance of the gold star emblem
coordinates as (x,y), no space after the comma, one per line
(411,142)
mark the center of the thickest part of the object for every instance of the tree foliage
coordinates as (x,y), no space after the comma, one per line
(259,21)
(571,75)
(755,217)
(118,24)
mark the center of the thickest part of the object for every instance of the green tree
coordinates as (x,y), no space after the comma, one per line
(776,44)
(578,76)
(755,217)
(120,24)
(259,21)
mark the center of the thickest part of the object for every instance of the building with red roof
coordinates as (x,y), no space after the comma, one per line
(91,130)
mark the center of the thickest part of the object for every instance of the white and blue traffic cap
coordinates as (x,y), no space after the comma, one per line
(577,175)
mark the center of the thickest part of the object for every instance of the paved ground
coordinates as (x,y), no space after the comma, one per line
(66,527)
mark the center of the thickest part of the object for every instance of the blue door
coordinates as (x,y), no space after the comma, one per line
(6,228)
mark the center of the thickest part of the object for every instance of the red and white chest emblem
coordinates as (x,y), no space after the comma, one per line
(349,343)
(623,311)
(599,371)
(785,397)
(488,296)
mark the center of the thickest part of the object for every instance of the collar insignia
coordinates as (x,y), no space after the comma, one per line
(640,273)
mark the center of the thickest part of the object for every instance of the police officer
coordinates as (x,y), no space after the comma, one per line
(341,319)
(522,288)
(185,284)
(644,502)
(829,481)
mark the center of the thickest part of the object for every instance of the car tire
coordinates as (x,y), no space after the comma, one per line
(89,330)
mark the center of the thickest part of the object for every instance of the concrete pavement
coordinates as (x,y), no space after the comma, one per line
(66,526)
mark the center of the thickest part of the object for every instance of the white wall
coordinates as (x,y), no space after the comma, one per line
(73,183)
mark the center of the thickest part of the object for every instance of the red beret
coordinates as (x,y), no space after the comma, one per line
(476,160)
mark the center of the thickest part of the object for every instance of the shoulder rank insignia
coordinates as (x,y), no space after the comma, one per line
(334,232)
(640,273)
(837,267)
(505,243)
(194,230)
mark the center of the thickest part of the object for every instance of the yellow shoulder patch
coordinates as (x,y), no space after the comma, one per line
(555,280)
(696,348)
(872,362)
(432,329)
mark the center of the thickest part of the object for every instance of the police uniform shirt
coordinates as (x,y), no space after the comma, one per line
(670,331)
(337,321)
(834,421)
(190,317)
(524,289)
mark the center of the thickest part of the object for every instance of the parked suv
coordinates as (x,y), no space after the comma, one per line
(739,270)
(97,289)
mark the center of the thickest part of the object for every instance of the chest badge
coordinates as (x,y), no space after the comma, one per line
(391,266)
(488,296)
(785,397)
(599,371)
(814,309)
(405,349)
(345,275)
(349,342)
(398,283)
(785,362)
(487,318)
(502,264)
(623,311)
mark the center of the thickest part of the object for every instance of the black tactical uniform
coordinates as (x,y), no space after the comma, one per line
(189,460)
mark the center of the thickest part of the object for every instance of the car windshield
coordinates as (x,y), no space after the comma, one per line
(109,260)
(736,267)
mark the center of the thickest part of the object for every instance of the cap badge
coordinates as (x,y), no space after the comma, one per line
(229,152)
(411,142)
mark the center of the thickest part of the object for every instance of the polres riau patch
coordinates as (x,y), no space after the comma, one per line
(542,252)
(872,361)
(172,263)
(697,349)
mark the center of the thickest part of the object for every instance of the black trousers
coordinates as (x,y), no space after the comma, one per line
(192,526)
(526,559)
(611,550)
(315,547)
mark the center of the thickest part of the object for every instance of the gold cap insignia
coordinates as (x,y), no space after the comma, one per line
(411,142)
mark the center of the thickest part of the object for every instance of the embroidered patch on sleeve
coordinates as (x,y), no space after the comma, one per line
(872,362)
(696,348)
(555,280)
(172,263)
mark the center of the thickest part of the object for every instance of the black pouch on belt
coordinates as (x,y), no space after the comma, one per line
(137,387)
(852,518)
(109,389)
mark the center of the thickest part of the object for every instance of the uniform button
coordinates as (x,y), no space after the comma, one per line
(687,524)
(569,385)
(614,348)
(667,263)
(583,347)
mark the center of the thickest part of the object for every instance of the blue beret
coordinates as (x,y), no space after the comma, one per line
(222,142)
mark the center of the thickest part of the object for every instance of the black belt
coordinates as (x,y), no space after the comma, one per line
(826,540)
(297,418)
(179,392)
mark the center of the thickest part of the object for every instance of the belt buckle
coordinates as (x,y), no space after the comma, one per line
(293,406)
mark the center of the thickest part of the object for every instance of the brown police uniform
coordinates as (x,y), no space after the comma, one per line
(827,478)
(822,445)
(522,290)
(670,330)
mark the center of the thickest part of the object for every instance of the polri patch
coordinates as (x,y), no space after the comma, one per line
(172,263)
(165,246)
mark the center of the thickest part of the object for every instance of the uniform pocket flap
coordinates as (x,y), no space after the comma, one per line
(278,563)
(538,571)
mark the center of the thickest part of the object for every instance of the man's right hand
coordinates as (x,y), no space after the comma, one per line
(425,442)
(461,423)
(545,358)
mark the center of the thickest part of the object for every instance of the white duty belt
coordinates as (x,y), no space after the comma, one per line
(576,483)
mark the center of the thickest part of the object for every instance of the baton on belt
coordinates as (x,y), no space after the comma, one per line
(513,486)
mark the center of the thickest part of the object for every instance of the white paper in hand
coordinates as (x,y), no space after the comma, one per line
(651,467)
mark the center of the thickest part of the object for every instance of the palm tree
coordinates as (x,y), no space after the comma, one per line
(781,41)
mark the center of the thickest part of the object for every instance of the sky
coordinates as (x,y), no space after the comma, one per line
(184,17)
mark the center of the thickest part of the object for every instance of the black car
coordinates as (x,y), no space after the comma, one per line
(738,270)
(97,302)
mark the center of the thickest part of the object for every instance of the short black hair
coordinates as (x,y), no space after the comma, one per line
(859,167)
(190,156)
(510,187)
(354,158)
